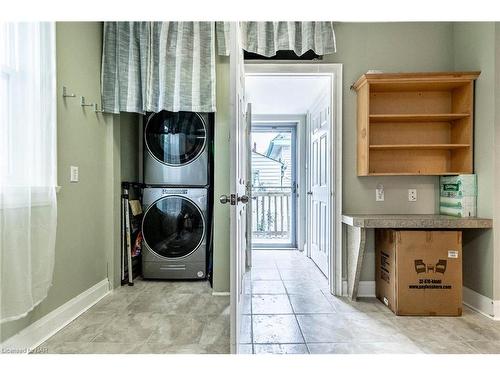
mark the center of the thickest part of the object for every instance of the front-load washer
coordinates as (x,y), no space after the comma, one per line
(176,148)
(174,229)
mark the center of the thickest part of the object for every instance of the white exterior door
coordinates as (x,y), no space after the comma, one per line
(237,198)
(319,192)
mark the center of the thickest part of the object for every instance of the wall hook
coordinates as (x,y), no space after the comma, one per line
(96,110)
(65,93)
(83,104)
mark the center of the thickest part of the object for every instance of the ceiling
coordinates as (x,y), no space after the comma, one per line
(283,94)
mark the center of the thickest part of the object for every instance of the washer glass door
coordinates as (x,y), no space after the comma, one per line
(175,138)
(173,227)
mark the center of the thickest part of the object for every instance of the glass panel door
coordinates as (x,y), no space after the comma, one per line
(273,186)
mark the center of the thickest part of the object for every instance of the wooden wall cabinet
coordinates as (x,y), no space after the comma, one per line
(415,123)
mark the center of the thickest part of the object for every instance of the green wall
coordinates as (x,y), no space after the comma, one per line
(474,49)
(88,226)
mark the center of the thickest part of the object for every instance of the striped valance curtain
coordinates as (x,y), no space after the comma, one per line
(154,66)
(266,38)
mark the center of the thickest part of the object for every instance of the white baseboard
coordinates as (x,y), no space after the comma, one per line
(496,310)
(39,331)
(365,288)
(481,304)
(220,293)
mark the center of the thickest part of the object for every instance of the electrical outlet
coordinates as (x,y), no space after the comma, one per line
(73,174)
(379,193)
(412,195)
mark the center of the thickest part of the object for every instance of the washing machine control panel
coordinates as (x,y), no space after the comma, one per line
(174,191)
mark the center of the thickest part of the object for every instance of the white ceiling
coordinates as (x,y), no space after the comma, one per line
(283,94)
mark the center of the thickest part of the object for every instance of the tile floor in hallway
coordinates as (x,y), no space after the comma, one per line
(291,311)
(149,317)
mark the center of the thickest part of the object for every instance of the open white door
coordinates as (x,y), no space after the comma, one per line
(319,193)
(238,184)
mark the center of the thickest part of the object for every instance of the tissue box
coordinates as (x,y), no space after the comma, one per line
(457,195)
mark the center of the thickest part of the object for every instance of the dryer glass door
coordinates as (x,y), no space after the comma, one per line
(175,138)
(173,227)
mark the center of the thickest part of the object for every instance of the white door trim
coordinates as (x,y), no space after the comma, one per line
(264,67)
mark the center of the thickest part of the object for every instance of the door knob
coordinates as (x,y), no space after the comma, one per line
(243,199)
(309,193)
(224,199)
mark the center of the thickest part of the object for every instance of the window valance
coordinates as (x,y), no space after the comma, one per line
(267,38)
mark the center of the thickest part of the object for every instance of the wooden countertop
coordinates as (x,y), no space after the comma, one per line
(416,221)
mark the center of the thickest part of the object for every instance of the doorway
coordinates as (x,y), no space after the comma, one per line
(293,182)
(291,275)
(274,185)
(272,289)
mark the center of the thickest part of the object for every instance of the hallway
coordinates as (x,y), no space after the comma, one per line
(292,312)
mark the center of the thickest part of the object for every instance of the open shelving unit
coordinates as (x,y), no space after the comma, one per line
(415,123)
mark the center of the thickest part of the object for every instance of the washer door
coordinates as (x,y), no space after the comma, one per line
(175,138)
(173,227)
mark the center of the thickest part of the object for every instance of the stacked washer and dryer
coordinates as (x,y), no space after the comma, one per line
(176,196)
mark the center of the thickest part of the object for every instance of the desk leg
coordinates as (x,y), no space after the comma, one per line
(356,240)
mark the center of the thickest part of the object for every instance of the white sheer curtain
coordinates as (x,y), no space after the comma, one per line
(28,207)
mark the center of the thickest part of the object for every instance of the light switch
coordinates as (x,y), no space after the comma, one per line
(73,174)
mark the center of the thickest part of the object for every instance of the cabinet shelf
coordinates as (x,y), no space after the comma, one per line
(415,123)
(420,146)
(415,174)
(418,117)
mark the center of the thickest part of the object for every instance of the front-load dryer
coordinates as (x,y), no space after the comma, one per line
(176,148)
(174,229)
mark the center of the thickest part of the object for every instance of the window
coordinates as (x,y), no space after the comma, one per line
(28,205)
(27,102)
(8,68)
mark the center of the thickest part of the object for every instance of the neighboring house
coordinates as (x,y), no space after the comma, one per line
(280,149)
(265,170)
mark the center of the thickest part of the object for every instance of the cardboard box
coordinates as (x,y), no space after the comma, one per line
(419,272)
(457,195)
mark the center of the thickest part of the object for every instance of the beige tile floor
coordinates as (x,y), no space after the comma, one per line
(149,317)
(289,311)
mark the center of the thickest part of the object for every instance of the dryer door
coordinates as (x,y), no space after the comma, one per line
(175,138)
(173,227)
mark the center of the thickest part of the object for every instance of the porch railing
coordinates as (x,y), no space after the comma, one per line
(271,212)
